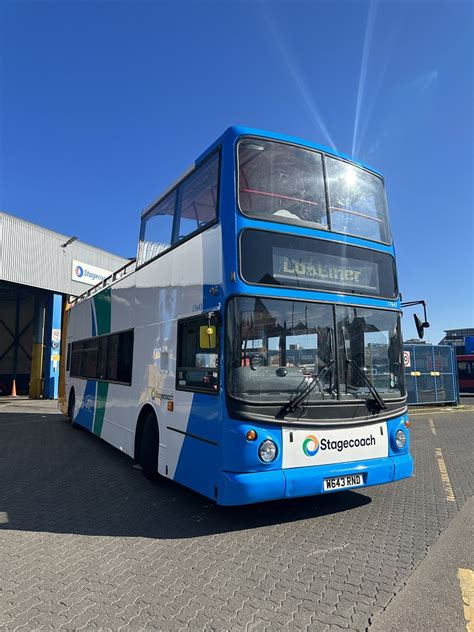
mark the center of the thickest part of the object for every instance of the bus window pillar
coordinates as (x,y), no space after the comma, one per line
(52,346)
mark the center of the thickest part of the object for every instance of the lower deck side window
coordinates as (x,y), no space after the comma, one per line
(106,358)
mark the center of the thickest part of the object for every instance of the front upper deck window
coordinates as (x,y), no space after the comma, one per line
(356,201)
(285,183)
(281,183)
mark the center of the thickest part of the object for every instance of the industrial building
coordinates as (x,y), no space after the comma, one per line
(461,339)
(39,270)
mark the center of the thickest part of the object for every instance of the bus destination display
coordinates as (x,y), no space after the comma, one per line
(328,266)
(324,269)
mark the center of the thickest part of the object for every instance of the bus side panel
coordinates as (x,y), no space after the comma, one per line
(199,455)
(117,404)
(193,457)
(151,301)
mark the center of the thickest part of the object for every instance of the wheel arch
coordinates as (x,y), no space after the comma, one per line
(142,417)
(71,394)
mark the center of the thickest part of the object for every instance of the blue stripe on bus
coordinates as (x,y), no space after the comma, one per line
(85,416)
(241,288)
(199,460)
(314,233)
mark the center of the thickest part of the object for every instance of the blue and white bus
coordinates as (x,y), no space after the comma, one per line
(253,351)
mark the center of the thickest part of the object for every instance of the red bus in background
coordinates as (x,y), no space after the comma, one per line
(466,373)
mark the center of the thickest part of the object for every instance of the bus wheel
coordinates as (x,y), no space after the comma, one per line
(70,409)
(149,445)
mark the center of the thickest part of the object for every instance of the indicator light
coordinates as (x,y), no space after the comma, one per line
(251,435)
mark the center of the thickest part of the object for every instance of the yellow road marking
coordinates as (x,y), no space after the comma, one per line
(450,411)
(444,475)
(466,581)
(432,426)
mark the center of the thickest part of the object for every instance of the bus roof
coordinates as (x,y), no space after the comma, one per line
(235,131)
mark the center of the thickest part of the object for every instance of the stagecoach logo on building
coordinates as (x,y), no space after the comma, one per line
(85,273)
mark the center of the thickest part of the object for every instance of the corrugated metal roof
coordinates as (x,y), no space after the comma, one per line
(33,255)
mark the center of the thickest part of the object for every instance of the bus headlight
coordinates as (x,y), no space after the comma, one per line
(267,451)
(400,439)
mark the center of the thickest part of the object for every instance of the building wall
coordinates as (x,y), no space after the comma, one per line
(32,255)
(36,272)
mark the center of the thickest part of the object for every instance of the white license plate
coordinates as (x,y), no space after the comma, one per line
(343,482)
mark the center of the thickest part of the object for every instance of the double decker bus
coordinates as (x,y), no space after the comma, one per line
(253,351)
(465,364)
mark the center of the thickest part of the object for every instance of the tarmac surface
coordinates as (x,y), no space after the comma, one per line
(87,543)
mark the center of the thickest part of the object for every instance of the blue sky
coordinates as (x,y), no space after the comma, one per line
(103,104)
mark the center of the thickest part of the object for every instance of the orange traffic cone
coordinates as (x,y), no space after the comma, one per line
(13,393)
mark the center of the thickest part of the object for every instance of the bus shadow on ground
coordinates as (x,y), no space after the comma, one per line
(57,479)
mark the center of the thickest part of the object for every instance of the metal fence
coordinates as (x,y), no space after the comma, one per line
(431,374)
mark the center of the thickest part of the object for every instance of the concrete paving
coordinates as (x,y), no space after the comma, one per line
(431,598)
(87,543)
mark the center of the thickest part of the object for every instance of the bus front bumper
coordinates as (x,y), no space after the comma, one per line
(254,487)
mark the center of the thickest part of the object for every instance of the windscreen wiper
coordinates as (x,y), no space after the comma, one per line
(382,405)
(304,389)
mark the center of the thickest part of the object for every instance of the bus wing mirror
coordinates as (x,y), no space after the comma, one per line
(207,337)
(420,327)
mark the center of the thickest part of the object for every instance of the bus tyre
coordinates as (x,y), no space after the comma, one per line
(70,409)
(149,444)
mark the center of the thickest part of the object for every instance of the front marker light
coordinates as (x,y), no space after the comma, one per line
(267,451)
(400,439)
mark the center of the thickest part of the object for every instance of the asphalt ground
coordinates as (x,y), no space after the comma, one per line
(87,543)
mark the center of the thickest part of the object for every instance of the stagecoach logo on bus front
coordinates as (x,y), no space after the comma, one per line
(310,445)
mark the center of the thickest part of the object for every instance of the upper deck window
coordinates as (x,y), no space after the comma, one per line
(356,201)
(285,183)
(198,198)
(281,183)
(157,229)
(185,211)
